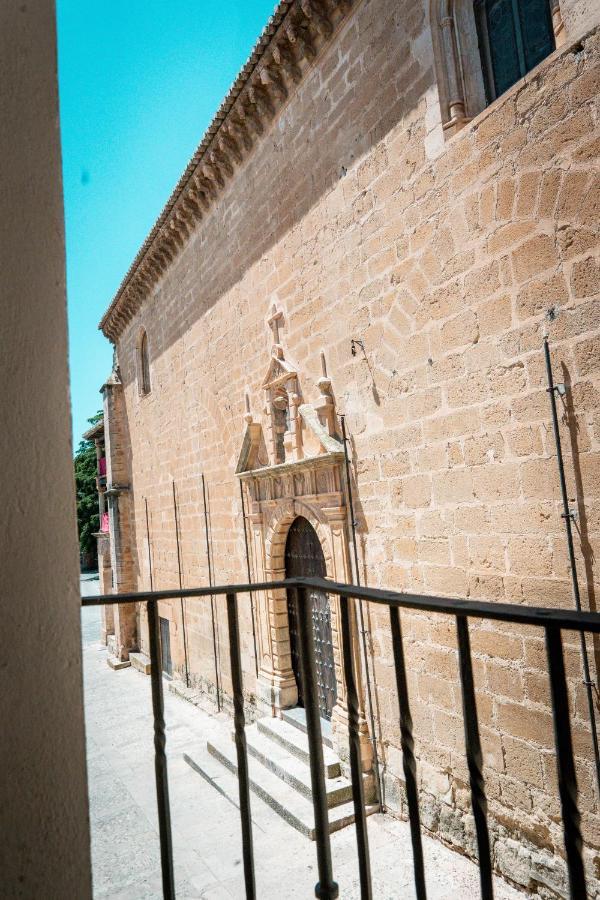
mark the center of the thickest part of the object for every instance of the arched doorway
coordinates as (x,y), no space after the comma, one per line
(304,556)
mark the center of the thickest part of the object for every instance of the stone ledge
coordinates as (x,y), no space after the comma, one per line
(141,662)
(117,664)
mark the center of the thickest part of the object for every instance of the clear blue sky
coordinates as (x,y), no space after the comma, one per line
(139,83)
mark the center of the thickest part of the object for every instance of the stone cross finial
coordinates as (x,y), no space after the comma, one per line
(248,413)
(273,322)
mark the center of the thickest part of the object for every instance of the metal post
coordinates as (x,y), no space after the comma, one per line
(185,650)
(565,765)
(361,615)
(568,515)
(326,888)
(160,759)
(249,577)
(474,758)
(362,838)
(240,743)
(408,753)
(212,598)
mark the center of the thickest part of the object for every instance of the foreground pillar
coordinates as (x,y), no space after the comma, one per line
(44,808)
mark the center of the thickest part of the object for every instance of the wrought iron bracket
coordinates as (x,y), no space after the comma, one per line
(560,388)
(571,514)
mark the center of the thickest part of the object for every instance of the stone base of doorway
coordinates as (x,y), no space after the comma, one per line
(278,762)
(116,663)
(141,662)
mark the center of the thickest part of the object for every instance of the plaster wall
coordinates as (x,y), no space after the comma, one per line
(44,849)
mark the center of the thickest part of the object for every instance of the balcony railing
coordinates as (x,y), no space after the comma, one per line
(552,621)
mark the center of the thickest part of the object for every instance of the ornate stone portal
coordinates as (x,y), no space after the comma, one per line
(292,464)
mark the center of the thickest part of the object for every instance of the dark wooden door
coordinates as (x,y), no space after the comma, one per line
(304,556)
(165,646)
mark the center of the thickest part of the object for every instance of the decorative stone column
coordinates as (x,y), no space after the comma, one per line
(276,685)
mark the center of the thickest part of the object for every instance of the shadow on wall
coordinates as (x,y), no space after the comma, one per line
(335,117)
(581,525)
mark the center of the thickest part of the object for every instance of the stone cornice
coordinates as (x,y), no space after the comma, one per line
(324,460)
(287,46)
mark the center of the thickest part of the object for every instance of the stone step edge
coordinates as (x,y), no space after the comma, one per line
(115,663)
(292,717)
(302,819)
(336,793)
(141,662)
(297,747)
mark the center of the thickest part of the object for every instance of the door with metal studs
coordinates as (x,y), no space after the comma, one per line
(304,556)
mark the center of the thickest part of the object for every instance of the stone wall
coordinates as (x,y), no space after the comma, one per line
(449,260)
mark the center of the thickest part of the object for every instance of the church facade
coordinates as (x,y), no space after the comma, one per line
(392,208)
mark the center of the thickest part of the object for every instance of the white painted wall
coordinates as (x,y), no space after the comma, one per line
(44,848)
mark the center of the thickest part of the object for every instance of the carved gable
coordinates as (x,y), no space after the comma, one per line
(279,372)
(253,454)
(291,430)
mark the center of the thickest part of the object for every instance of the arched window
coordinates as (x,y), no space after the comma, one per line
(482,47)
(144,364)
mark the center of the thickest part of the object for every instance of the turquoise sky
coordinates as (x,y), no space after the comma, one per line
(139,82)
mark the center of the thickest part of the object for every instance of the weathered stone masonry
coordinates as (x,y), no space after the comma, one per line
(334,192)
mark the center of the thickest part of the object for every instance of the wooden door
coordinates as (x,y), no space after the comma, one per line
(304,556)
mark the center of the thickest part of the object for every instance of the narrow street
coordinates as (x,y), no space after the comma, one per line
(206,828)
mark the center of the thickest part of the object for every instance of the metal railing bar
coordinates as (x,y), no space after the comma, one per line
(566,619)
(568,516)
(552,620)
(239,721)
(160,759)
(408,754)
(326,888)
(358,794)
(158,714)
(565,765)
(361,615)
(474,758)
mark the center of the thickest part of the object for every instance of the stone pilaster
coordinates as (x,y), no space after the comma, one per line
(120,513)
(105,574)
(276,686)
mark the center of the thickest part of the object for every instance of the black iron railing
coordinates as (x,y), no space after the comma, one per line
(552,621)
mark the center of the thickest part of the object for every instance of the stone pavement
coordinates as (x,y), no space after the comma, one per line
(206,828)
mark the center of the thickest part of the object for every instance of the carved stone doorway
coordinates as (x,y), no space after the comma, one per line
(304,556)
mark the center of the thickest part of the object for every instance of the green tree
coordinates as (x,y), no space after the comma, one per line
(86,469)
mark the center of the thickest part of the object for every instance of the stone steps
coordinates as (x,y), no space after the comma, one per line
(297,718)
(279,773)
(293,771)
(295,742)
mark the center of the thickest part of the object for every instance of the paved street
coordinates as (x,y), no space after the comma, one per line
(206,830)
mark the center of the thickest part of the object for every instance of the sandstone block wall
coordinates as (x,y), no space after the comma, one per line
(449,260)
